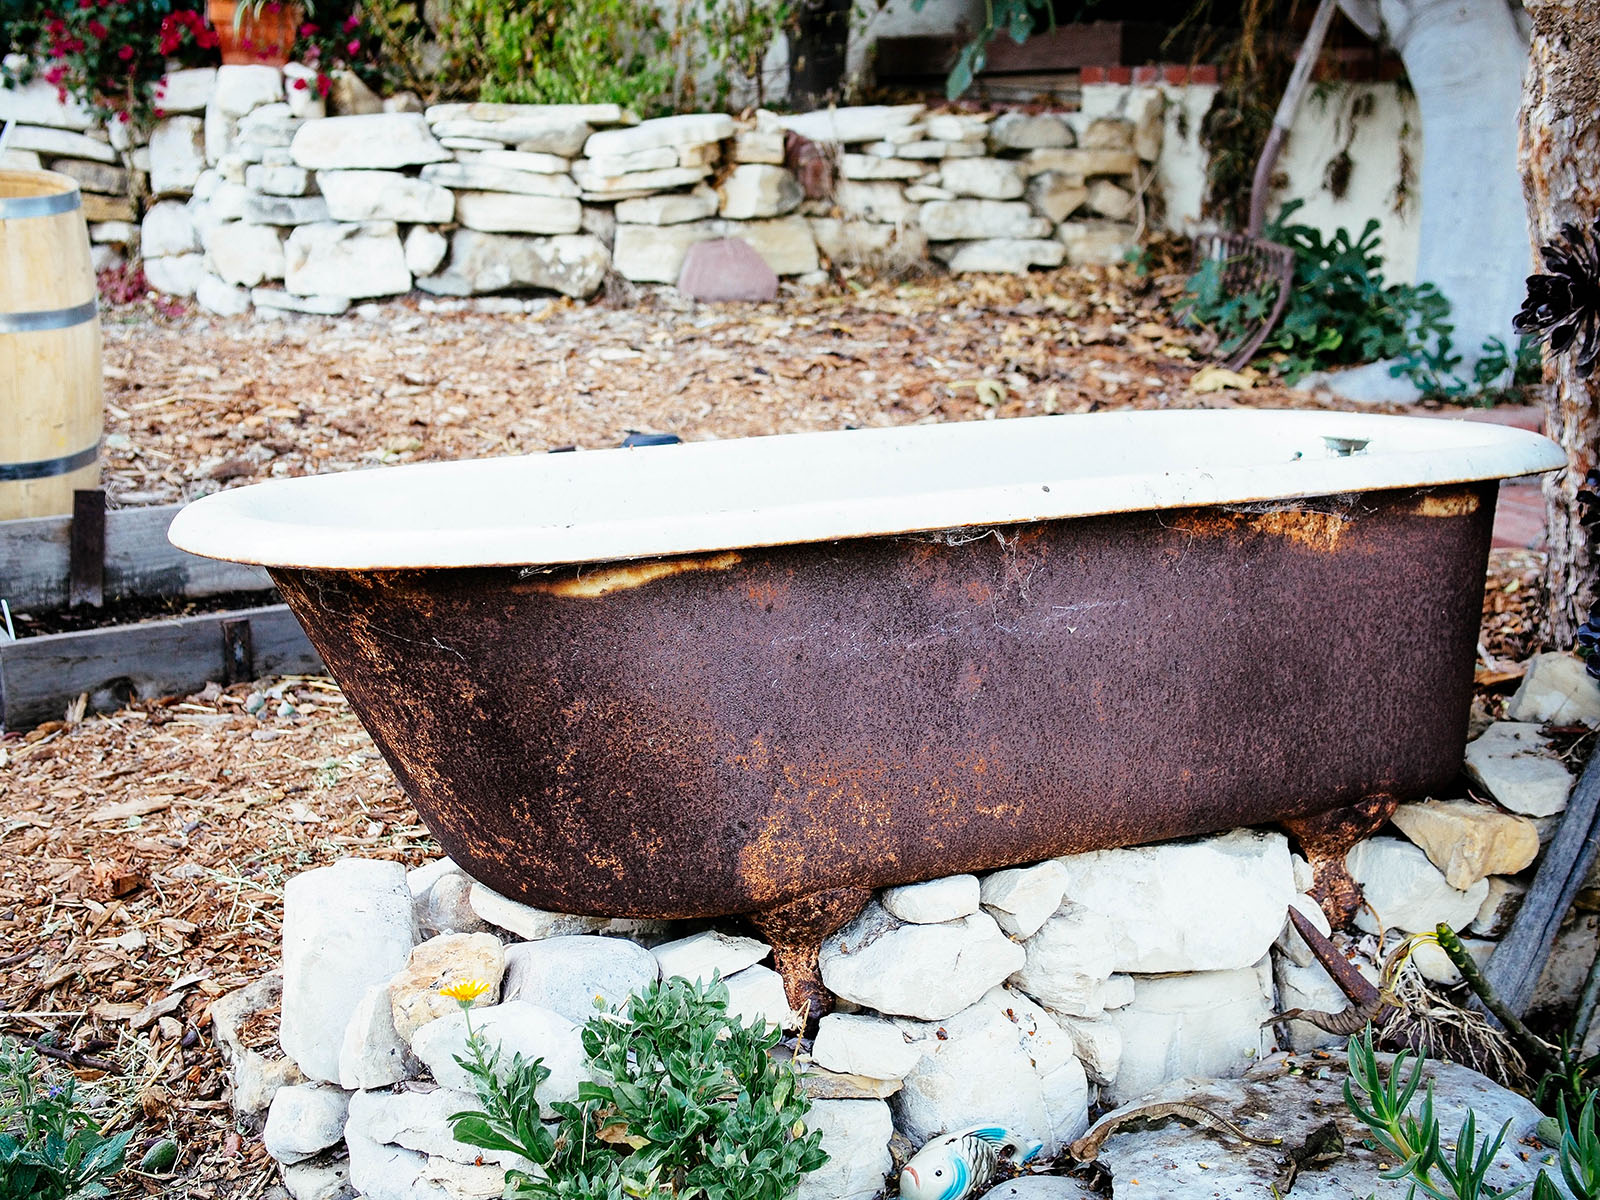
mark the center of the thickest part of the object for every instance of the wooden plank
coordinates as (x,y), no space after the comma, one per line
(86,566)
(1513,969)
(35,562)
(40,676)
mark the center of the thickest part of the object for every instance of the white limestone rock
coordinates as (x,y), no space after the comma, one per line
(1467,840)
(574,265)
(384,196)
(218,296)
(354,261)
(414,992)
(558,135)
(1098,1045)
(61,143)
(40,103)
(929,903)
(847,126)
(257,1079)
(374,141)
(756,994)
(1043,1187)
(1022,131)
(1511,760)
(655,254)
(957,127)
(242,253)
(420,1120)
(177,155)
(1110,200)
(1021,899)
(518,1027)
(505,212)
(960,220)
(601,113)
(569,974)
(241,89)
(277,181)
(523,161)
(866,243)
(462,1181)
(1270,1101)
(855,1136)
(486,177)
(278,300)
(380,1172)
(373,1054)
(425,249)
(1055,195)
(1556,690)
(874,166)
(1206,1023)
(303,1120)
(858,1044)
(784,243)
(1147,893)
(711,952)
(167,229)
(688,129)
(1405,890)
(919,193)
(672,208)
(1499,906)
(757,190)
(1069,961)
(1096,243)
(318,1179)
(285,210)
(1000,256)
(1107,133)
(598,186)
(925,971)
(1307,986)
(657,158)
(1003,1061)
(346,928)
(1435,965)
(880,201)
(446,907)
(985,178)
(1290,942)
(175,275)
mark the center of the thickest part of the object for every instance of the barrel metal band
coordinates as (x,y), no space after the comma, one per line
(48,318)
(46,468)
(16,207)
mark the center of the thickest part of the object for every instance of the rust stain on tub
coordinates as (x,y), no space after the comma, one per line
(1446,504)
(1320,531)
(591,584)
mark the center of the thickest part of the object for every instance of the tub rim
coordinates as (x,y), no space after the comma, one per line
(240,524)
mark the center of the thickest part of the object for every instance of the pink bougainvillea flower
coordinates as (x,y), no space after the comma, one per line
(300,85)
(354,47)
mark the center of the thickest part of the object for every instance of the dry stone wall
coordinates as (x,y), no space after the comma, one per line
(249,195)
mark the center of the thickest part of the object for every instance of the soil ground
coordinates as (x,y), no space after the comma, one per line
(143,854)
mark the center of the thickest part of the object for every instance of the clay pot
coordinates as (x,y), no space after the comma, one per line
(263,38)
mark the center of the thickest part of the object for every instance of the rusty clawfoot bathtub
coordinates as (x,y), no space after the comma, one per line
(765,676)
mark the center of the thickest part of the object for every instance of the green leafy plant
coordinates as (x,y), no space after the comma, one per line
(1019,18)
(1340,310)
(732,33)
(685,1101)
(50,1149)
(1414,1138)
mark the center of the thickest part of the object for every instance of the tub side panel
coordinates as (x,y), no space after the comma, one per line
(723,734)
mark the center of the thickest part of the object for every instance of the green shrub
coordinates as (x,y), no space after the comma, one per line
(1341,311)
(686,1102)
(50,1149)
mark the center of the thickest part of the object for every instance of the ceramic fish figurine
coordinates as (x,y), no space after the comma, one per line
(952,1166)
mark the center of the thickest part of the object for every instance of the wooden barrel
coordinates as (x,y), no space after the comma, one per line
(50,386)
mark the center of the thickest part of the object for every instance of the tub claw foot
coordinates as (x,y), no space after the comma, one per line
(1325,838)
(796,930)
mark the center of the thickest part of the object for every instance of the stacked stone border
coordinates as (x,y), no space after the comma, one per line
(247,195)
(1029,997)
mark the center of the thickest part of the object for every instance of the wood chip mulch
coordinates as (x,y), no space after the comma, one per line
(143,854)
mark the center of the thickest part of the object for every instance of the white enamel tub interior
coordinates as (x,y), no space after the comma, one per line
(609,505)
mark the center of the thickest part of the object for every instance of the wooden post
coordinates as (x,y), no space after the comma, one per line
(87,570)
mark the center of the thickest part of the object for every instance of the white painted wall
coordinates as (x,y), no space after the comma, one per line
(1389,124)
(899,19)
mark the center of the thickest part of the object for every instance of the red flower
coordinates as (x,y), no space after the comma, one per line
(300,85)
(307,29)
(98,29)
(352,21)
(324,85)
(354,47)
(123,117)
(125,53)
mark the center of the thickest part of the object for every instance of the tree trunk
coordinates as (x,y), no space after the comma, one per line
(818,43)
(1561,183)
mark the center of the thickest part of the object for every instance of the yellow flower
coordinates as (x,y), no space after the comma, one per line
(465,990)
